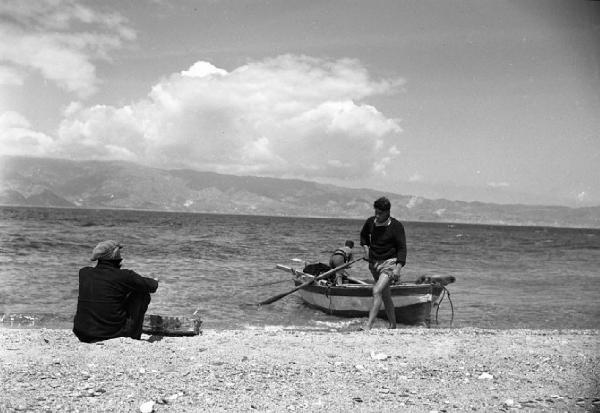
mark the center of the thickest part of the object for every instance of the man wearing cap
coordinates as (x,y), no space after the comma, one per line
(384,243)
(112,301)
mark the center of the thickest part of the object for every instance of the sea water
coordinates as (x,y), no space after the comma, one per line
(221,265)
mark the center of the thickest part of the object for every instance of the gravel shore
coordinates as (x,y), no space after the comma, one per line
(419,369)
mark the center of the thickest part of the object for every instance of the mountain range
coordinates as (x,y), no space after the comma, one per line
(29,181)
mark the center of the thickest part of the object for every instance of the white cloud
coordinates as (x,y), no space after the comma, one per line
(416,177)
(18,138)
(58,39)
(440,212)
(203,69)
(498,184)
(11,76)
(394,151)
(414,201)
(102,132)
(289,115)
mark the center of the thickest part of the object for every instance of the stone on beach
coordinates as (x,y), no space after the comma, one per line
(238,370)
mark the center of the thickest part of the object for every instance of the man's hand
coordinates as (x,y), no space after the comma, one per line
(397,269)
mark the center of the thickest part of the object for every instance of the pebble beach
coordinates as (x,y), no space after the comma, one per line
(275,370)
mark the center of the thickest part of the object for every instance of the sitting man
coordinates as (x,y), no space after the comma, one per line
(339,257)
(112,301)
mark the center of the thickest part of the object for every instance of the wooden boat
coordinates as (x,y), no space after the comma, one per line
(414,303)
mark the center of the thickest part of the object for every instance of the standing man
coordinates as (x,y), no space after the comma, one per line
(384,243)
(112,301)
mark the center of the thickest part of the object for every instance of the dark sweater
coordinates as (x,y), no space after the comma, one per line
(103,290)
(384,242)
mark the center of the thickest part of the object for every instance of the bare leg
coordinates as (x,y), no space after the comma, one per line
(378,298)
(389,305)
(339,276)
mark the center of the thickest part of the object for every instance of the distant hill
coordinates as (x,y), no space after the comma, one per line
(26,181)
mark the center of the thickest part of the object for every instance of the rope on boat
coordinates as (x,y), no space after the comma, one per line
(440,303)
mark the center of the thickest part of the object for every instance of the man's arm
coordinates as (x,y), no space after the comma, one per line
(143,284)
(365,239)
(400,244)
(364,233)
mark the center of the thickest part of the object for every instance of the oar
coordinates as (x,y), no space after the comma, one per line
(307,283)
(280,267)
(285,268)
(357,281)
(270,283)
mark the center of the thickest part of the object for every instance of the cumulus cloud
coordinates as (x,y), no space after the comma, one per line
(289,115)
(18,138)
(59,39)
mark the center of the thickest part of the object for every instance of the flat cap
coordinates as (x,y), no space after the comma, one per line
(107,250)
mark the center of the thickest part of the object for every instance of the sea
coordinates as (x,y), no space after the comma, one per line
(223,265)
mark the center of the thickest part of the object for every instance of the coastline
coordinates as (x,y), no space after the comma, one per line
(416,369)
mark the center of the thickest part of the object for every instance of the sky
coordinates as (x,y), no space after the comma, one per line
(482,100)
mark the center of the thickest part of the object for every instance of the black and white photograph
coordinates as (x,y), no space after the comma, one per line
(299,206)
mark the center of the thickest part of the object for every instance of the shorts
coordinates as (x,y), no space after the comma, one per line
(384,267)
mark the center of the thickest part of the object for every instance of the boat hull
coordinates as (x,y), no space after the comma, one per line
(413,303)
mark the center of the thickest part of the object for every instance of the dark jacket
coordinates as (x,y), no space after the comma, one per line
(101,306)
(384,242)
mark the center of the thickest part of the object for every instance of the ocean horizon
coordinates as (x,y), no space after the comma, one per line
(220,265)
